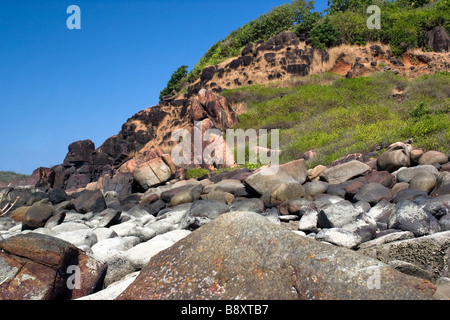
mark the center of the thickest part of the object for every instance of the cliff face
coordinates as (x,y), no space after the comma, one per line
(285,56)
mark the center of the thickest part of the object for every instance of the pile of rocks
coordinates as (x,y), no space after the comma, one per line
(395,209)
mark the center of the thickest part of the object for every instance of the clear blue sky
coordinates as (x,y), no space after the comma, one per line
(59,85)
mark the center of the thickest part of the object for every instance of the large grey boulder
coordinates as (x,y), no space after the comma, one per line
(337,215)
(202,212)
(184,194)
(269,178)
(407,174)
(408,216)
(432,157)
(344,172)
(242,255)
(428,253)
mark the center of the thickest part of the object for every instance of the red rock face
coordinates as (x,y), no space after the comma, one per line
(144,137)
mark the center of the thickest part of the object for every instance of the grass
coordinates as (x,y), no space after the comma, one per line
(342,116)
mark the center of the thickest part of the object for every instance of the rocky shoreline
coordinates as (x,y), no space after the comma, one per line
(241,234)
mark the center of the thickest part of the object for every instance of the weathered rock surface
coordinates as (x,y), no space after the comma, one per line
(428,252)
(38,267)
(344,172)
(267,179)
(37,215)
(244,250)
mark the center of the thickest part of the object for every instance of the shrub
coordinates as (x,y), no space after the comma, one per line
(324,35)
(419,112)
(307,23)
(175,81)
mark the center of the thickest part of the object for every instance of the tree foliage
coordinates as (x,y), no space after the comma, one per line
(175,81)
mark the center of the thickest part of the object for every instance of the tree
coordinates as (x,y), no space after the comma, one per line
(324,35)
(344,5)
(175,81)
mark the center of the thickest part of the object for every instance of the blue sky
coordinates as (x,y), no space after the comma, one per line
(59,85)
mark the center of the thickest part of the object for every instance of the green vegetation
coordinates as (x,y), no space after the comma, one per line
(346,116)
(344,21)
(324,35)
(8,176)
(196,173)
(175,83)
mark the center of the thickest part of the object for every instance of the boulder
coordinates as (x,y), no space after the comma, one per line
(169,193)
(373,193)
(336,215)
(242,255)
(202,212)
(382,177)
(442,190)
(41,267)
(344,172)
(432,157)
(415,155)
(253,204)
(314,174)
(6,223)
(37,215)
(364,227)
(428,253)
(90,201)
(398,187)
(381,211)
(297,206)
(408,216)
(408,194)
(186,195)
(410,269)
(19,214)
(221,196)
(309,219)
(131,229)
(107,218)
(153,172)
(315,187)
(390,237)
(395,157)
(79,238)
(233,186)
(92,275)
(122,183)
(424,181)
(286,191)
(268,178)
